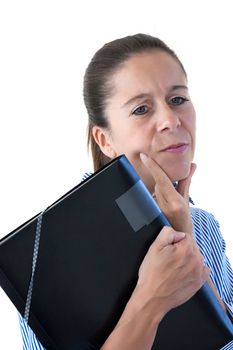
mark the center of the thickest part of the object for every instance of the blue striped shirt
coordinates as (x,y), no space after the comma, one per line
(212,246)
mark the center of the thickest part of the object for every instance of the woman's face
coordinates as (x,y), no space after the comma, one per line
(150,111)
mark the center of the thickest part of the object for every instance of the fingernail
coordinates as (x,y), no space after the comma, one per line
(143,157)
(180,235)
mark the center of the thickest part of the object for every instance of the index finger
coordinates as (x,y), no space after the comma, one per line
(159,175)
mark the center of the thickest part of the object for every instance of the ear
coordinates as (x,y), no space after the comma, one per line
(103,138)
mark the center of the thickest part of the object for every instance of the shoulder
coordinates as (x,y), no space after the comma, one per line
(203,217)
(86,175)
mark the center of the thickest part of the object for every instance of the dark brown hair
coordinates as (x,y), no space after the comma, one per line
(97,81)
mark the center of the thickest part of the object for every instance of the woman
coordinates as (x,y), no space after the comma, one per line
(136,95)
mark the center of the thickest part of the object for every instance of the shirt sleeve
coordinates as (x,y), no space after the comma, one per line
(212,246)
(30,341)
(222,273)
(229,346)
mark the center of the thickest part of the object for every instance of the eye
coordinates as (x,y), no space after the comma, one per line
(140,110)
(178,100)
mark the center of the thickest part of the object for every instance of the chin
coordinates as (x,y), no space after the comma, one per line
(177,174)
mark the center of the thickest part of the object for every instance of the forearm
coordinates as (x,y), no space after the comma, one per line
(137,327)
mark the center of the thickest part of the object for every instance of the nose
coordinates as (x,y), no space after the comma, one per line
(167,118)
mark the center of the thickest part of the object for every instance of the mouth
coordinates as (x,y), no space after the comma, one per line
(176,148)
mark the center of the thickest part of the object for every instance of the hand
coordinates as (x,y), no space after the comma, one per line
(172,271)
(174,202)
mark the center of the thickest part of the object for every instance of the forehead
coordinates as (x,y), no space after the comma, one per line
(147,71)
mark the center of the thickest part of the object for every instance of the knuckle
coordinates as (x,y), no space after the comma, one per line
(189,251)
(167,229)
(199,269)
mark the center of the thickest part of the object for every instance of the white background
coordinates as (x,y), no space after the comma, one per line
(45,47)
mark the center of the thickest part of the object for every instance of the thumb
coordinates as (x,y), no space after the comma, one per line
(168,236)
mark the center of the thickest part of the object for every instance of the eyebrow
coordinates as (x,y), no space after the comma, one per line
(144,95)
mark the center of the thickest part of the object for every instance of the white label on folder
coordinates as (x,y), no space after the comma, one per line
(138,206)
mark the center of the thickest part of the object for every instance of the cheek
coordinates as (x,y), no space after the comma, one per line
(132,149)
(191,124)
(130,142)
(192,131)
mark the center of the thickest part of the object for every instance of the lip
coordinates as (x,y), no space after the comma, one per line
(176,148)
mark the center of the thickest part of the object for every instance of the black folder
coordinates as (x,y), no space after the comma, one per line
(80,258)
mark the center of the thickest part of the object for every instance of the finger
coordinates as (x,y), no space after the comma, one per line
(157,172)
(168,236)
(164,190)
(183,185)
